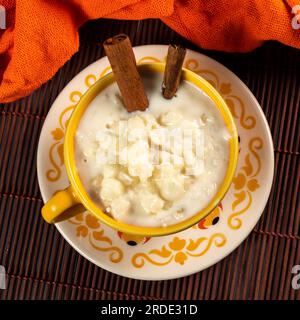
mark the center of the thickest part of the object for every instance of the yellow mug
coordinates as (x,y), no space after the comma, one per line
(75,194)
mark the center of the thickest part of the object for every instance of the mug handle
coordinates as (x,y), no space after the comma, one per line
(62,201)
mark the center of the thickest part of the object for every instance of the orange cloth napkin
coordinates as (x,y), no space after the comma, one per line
(42,35)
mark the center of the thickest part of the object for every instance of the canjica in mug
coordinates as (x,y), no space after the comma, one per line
(123,190)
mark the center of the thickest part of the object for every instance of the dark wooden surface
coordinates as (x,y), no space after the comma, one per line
(42,265)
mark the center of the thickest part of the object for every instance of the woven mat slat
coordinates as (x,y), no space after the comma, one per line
(41,265)
(281,214)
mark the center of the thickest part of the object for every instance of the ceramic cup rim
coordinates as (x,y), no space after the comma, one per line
(77,185)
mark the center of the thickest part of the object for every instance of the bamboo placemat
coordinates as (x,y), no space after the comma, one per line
(42,265)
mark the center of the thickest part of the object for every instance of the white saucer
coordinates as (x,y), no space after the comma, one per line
(194,249)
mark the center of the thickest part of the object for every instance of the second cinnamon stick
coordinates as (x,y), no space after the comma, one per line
(122,60)
(175,58)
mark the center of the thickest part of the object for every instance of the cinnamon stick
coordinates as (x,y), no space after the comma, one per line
(173,69)
(122,60)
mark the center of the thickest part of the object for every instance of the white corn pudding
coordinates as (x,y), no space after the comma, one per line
(157,167)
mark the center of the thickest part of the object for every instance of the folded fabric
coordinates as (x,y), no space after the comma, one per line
(40,36)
